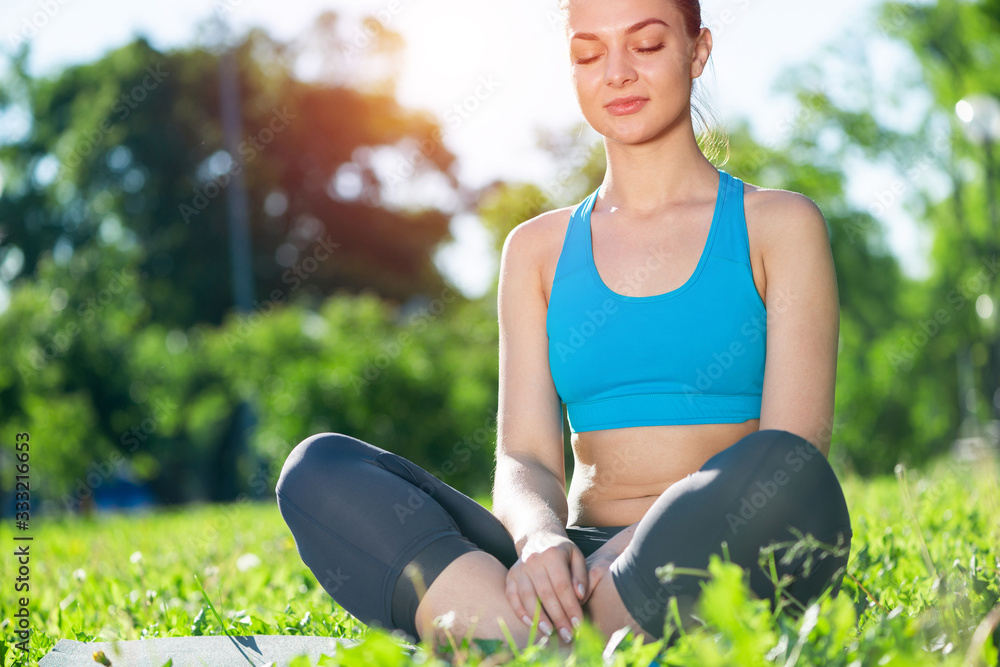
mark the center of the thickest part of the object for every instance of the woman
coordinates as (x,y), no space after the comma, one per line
(688,321)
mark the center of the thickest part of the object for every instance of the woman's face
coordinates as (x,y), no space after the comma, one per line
(633,48)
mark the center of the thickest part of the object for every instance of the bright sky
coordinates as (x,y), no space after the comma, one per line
(506,62)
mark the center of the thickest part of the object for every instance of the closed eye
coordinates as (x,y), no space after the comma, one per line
(650,49)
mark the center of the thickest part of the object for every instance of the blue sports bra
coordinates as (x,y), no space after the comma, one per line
(694,355)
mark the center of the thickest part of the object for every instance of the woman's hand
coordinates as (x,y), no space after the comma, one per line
(599,562)
(598,565)
(551,568)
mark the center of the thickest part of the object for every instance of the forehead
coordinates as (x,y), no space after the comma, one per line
(604,18)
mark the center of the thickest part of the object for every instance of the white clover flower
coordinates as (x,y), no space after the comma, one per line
(79,574)
(136,557)
(446,621)
(247,561)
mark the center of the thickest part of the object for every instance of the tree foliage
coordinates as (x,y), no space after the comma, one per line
(130,147)
(123,354)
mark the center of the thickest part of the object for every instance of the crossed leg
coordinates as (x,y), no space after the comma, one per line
(473,586)
(746,497)
(359,514)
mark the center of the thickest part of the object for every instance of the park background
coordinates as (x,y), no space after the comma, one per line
(227,226)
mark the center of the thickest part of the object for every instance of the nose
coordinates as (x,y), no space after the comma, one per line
(619,70)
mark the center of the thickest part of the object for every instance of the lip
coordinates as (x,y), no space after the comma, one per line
(626,105)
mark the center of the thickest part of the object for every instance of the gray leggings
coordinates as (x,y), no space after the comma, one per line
(360,514)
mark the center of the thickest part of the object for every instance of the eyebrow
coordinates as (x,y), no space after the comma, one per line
(634,28)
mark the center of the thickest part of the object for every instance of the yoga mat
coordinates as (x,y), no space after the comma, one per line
(197,651)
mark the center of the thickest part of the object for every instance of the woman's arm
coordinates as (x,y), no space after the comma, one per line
(529,490)
(529,496)
(803,317)
(529,493)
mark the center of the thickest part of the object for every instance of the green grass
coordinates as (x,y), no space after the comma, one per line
(924,573)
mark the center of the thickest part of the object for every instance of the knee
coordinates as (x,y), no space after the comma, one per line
(314,461)
(784,443)
(788,463)
(776,450)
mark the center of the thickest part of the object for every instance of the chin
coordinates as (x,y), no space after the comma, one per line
(637,135)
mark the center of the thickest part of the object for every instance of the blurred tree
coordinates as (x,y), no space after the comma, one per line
(957,45)
(130,148)
(122,349)
(908,400)
(113,237)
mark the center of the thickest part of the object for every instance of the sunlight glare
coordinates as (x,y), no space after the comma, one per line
(444,50)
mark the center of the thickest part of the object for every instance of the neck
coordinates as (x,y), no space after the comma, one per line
(654,176)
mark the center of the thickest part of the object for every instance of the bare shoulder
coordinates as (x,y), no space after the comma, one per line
(535,244)
(782,218)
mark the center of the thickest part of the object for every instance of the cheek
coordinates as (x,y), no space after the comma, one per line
(586,85)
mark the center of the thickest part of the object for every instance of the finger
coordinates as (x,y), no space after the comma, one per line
(514,598)
(544,622)
(569,612)
(528,599)
(551,606)
(578,566)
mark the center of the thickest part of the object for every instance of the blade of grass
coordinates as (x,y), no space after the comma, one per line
(211,606)
(979,637)
(510,639)
(928,561)
(215,613)
(870,596)
(534,621)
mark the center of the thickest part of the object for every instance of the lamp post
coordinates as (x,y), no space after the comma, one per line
(237,213)
(980,118)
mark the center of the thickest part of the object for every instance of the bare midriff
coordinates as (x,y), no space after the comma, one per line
(619,473)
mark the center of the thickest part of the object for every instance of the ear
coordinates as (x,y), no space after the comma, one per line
(702,50)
